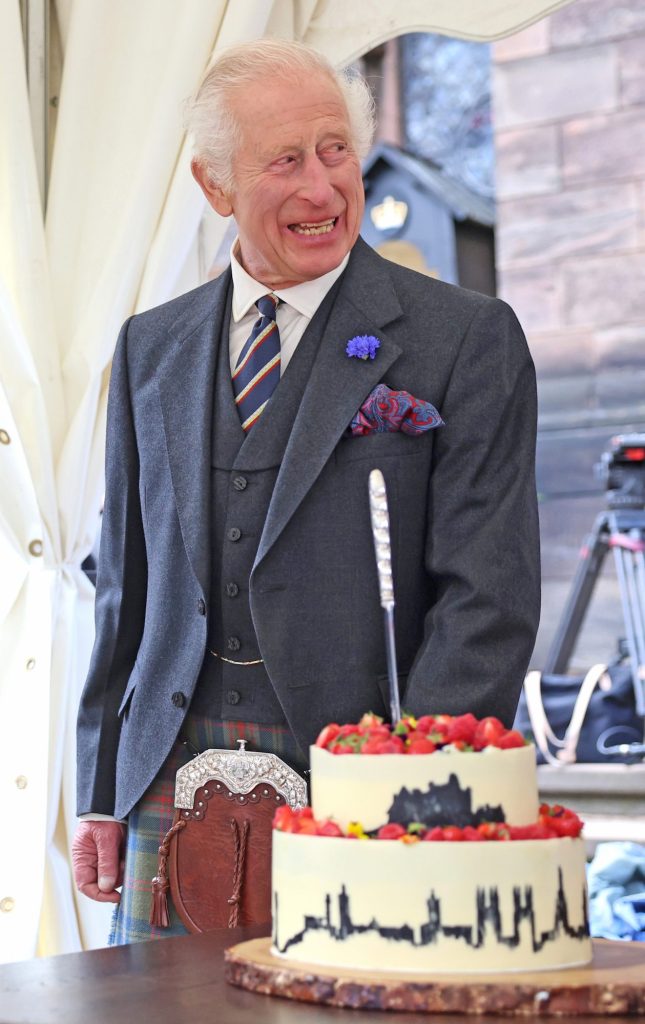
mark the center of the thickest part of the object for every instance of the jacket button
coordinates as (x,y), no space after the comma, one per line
(233,696)
(178,698)
(234,533)
(232,590)
(233,643)
(239,483)
(201,606)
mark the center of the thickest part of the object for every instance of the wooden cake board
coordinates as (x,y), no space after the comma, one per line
(613,985)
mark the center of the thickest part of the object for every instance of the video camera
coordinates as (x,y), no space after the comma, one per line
(622,469)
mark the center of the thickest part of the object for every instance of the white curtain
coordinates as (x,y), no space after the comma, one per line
(123,215)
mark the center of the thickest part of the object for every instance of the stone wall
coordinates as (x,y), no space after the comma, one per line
(569,114)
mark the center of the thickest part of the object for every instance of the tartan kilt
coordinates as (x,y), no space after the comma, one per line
(151,818)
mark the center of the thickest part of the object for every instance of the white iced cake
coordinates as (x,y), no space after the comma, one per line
(426,850)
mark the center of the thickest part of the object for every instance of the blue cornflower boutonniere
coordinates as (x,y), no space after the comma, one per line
(363,346)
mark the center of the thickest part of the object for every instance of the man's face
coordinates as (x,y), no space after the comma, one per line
(298,195)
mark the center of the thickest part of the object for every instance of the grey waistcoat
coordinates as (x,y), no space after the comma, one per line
(243,475)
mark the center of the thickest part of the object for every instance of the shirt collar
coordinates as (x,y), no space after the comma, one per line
(305,298)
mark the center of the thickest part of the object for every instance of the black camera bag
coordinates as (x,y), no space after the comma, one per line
(585,719)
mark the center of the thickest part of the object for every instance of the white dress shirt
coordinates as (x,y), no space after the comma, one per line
(297,306)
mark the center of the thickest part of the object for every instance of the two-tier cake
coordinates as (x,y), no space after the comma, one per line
(426,849)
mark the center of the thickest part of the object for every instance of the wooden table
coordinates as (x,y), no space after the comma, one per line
(170,981)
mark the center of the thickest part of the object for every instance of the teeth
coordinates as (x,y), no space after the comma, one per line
(322,228)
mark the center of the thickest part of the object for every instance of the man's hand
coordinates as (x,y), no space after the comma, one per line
(97,857)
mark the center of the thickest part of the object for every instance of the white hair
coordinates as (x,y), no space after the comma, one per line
(215,131)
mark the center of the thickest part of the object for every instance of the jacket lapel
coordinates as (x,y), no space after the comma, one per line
(338,385)
(186,386)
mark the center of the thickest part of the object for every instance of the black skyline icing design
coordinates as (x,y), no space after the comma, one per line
(442,804)
(488,916)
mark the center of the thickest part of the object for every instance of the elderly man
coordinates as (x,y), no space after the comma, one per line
(237,592)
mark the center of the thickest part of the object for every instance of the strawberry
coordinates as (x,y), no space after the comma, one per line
(434,835)
(487,733)
(425,723)
(564,822)
(329,828)
(511,738)
(372,745)
(471,835)
(349,730)
(569,826)
(369,720)
(391,831)
(392,746)
(522,831)
(327,734)
(282,818)
(440,726)
(545,821)
(442,721)
(286,820)
(462,727)
(341,748)
(307,827)
(540,831)
(380,730)
(493,830)
(452,834)
(417,743)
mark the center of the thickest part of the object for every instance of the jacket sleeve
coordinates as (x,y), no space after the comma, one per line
(482,548)
(120,599)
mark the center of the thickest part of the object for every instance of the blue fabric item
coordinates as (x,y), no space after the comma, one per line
(616,880)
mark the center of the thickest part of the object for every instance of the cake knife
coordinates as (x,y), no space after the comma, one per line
(381,533)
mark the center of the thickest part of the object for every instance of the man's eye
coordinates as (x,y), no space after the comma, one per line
(335,151)
(282,161)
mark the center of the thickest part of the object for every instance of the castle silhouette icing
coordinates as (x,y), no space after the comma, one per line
(446,804)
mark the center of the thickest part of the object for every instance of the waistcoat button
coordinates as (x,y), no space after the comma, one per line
(179,699)
(233,643)
(234,533)
(239,483)
(201,606)
(233,696)
(232,590)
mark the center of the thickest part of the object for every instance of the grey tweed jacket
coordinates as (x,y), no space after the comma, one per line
(462,504)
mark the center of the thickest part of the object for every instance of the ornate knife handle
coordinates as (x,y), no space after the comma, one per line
(381,532)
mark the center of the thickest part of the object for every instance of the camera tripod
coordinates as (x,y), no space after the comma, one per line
(622,531)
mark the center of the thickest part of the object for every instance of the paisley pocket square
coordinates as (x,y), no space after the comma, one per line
(385,410)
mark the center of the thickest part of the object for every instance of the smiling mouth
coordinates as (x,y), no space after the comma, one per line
(322,227)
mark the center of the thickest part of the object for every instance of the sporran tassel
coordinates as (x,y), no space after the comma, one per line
(159,917)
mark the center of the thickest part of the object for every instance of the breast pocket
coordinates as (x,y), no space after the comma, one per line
(394,444)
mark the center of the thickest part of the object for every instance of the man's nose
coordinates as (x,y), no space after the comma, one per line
(316,185)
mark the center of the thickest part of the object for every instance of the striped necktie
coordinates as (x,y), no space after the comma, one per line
(257,371)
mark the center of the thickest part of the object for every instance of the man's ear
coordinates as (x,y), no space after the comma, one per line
(215,196)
